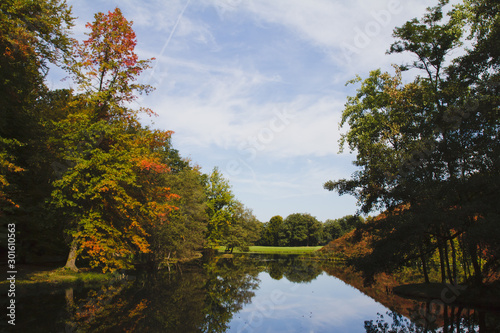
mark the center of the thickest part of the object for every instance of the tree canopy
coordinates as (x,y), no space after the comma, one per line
(428,150)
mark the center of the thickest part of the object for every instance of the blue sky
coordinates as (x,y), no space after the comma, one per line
(257,87)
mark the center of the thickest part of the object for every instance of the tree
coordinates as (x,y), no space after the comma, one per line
(6,166)
(32,35)
(184,230)
(106,66)
(425,147)
(220,207)
(302,230)
(334,229)
(229,223)
(244,231)
(113,189)
(272,231)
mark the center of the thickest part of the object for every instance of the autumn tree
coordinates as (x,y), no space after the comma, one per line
(112,190)
(106,67)
(183,231)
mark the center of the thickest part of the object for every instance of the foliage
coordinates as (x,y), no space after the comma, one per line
(110,194)
(333,229)
(302,230)
(428,150)
(6,166)
(183,232)
(272,231)
(277,249)
(33,35)
(106,66)
(229,223)
(114,187)
(220,207)
(244,231)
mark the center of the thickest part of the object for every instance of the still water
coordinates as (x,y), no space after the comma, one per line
(325,304)
(240,294)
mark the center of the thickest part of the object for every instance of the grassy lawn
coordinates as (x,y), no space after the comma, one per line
(277,249)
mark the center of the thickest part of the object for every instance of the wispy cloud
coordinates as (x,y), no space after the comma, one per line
(354,34)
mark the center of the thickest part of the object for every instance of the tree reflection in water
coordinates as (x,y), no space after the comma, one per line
(191,299)
(449,320)
(202,297)
(291,267)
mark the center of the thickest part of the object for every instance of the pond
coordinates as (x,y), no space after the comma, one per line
(241,294)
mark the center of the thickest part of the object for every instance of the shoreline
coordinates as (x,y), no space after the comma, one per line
(482,297)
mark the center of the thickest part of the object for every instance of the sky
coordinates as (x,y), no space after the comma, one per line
(257,87)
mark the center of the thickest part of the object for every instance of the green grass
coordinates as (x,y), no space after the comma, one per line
(60,276)
(277,249)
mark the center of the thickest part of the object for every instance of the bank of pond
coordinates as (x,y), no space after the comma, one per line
(245,293)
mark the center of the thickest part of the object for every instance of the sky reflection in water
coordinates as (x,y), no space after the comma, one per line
(325,304)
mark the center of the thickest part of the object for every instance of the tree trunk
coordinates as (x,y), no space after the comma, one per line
(424,267)
(424,264)
(441,261)
(71,262)
(447,261)
(454,262)
(465,262)
(478,278)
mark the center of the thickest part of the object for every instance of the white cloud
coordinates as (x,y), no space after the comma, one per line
(355,34)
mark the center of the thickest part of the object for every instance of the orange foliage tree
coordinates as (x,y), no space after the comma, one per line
(112,190)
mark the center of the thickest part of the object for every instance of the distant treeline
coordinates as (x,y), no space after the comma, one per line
(302,229)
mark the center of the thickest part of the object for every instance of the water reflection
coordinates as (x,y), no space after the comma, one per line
(288,266)
(239,294)
(193,299)
(407,315)
(455,319)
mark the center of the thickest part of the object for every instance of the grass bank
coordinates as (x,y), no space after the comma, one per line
(40,275)
(276,249)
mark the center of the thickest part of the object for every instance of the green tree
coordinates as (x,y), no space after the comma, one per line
(426,150)
(33,34)
(183,233)
(334,229)
(302,230)
(220,207)
(244,231)
(272,231)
